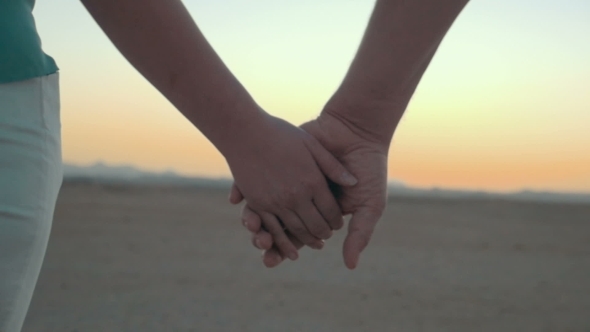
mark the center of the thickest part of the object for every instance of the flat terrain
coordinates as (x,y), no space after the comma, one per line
(176,259)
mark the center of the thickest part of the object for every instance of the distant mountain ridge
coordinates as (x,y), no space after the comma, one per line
(127,174)
(102,170)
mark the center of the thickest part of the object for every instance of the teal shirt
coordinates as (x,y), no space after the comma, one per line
(21,56)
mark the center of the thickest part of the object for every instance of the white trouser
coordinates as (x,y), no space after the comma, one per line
(30,179)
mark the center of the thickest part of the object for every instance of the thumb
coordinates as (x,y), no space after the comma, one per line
(360,230)
(329,165)
(235,195)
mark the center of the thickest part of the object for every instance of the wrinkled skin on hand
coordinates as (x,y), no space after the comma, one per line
(281,170)
(366,201)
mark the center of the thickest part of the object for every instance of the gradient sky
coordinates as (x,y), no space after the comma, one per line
(504,105)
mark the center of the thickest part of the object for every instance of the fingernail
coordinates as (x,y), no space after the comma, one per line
(349,179)
(292,256)
(258,245)
(245,222)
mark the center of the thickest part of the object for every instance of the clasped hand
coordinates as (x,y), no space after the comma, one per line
(299,182)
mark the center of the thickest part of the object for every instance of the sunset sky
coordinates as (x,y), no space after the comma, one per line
(505,104)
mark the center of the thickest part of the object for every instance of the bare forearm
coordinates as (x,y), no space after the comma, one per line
(161,40)
(398,45)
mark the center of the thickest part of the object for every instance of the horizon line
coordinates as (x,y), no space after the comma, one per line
(391,183)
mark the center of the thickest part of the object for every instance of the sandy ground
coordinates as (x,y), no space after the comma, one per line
(171,259)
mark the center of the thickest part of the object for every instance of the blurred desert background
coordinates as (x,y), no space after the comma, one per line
(488,225)
(155,254)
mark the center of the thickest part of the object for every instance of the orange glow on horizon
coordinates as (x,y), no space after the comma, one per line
(503,105)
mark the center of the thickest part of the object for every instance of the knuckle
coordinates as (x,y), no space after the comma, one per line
(288,197)
(310,241)
(249,217)
(309,185)
(298,230)
(262,204)
(335,216)
(356,229)
(323,233)
(271,202)
(283,242)
(335,213)
(378,211)
(310,141)
(320,231)
(332,167)
(275,230)
(326,235)
(337,223)
(362,233)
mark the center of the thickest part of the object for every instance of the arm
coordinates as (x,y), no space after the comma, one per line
(280,177)
(358,122)
(400,41)
(161,40)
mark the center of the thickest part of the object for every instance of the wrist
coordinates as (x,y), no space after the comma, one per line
(233,125)
(241,133)
(372,119)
